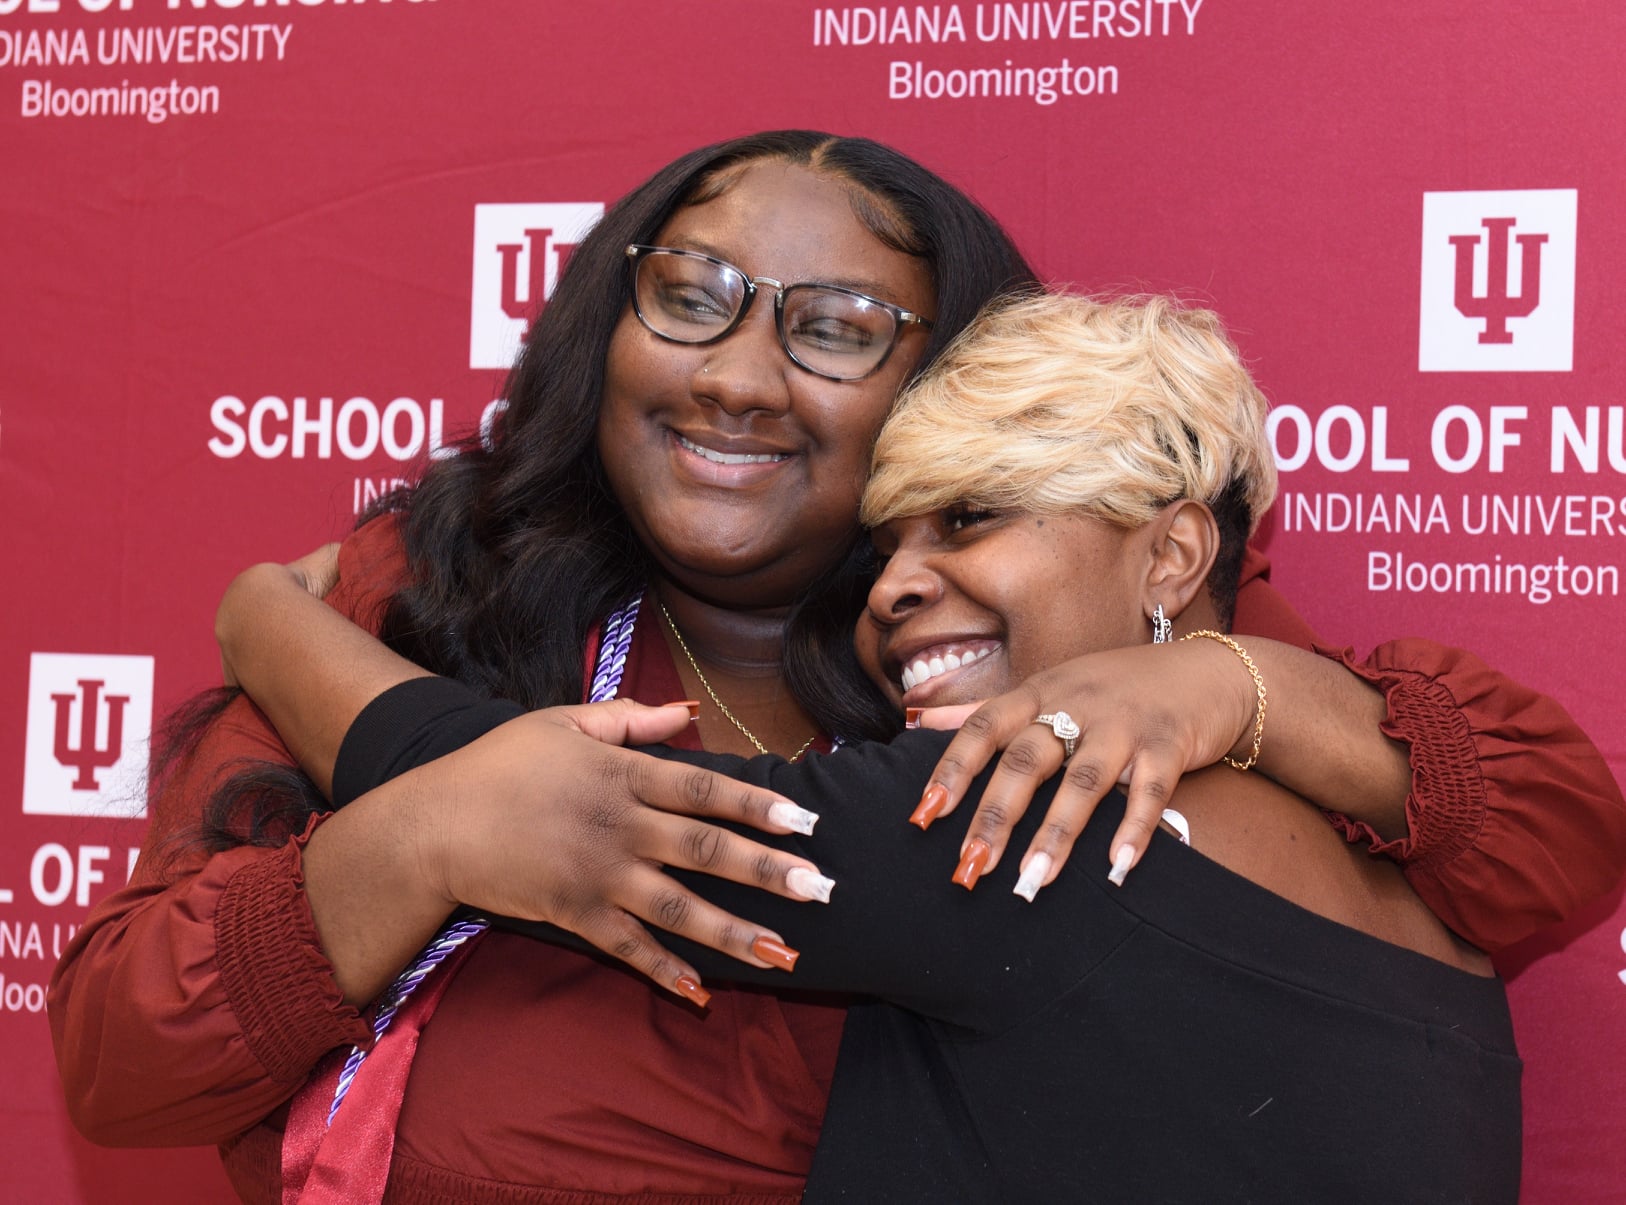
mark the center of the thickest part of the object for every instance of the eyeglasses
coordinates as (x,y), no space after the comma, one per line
(687,297)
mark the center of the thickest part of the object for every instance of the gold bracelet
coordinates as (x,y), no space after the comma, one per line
(1258,687)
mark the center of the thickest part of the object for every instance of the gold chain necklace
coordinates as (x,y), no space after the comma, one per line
(722,706)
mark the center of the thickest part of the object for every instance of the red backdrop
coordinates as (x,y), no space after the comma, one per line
(249,271)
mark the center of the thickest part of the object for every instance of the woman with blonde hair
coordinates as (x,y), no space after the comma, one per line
(1267,1015)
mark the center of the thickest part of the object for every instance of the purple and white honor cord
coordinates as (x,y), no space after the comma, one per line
(436,952)
(607,672)
(614,641)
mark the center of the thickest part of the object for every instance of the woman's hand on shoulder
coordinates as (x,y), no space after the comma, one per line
(1146,714)
(552,821)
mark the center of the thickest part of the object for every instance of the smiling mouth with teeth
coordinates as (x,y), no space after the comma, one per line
(731,457)
(924,668)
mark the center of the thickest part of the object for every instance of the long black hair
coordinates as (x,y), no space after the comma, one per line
(516,546)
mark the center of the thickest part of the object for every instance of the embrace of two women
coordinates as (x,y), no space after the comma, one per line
(669,510)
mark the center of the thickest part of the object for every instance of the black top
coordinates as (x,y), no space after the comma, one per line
(1189,1037)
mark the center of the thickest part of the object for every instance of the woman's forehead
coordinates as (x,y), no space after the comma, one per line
(794,223)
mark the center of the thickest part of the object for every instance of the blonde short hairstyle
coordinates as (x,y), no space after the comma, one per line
(1060,403)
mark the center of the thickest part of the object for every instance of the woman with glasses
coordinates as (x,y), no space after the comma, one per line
(663,517)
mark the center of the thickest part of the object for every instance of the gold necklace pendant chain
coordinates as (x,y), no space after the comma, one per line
(722,706)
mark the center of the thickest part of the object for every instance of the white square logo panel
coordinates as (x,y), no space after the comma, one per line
(1498,281)
(89,735)
(519,251)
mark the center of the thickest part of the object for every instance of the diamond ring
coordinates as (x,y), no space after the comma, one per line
(1066,729)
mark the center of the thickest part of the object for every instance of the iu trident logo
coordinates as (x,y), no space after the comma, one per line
(1498,281)
(1498,305)
(89,757)
(526,306)
(89,723)
(519,252)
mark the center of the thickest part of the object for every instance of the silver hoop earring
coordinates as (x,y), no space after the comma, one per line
(1162,629)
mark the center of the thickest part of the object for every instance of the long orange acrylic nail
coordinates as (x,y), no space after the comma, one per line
(931,804)
(689,988)
(972,863)
(693,706)
(775,952)
(911,716)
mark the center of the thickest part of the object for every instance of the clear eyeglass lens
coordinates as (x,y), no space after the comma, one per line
(687,298)
(836,333)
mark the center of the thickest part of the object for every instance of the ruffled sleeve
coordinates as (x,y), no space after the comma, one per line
(1514,818)
(195,1000)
